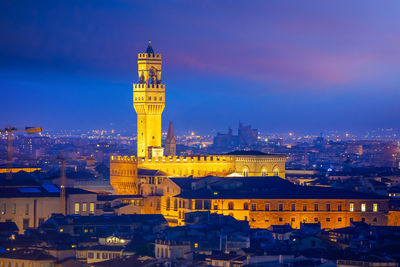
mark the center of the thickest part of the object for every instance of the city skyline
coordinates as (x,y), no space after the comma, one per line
(332,66)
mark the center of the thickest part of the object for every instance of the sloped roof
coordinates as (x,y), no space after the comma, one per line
(27,254)
(39,191)
(149,49)
(270,188)
(149,172)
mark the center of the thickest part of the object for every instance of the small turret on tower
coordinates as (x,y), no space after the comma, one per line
(170,142)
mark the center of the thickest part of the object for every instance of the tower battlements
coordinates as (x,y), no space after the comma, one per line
(145,86)
(156,56)
(175,159)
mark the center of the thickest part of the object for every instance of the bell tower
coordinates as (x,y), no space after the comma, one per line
(149,103)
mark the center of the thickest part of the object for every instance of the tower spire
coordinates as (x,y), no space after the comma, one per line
(170,142)
(149,49)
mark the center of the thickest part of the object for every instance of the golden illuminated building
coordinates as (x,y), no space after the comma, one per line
(265,202)
(149,103)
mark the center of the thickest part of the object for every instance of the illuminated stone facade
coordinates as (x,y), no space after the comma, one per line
(266,202)
(123,170)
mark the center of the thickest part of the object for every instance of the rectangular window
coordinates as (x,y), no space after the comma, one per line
(280,207)
(339,219)
(267,207)
(84,207)
(328,207)
(215,206)
(375,207)
(14,208)
(351,208)
(328,219)
(253,206)
(363,207)
(339,207)
(91,208)
(316,207)
(280,219)
(304,208)
(293,207)
(76,209)
(26,209)
(207,204)
(3,208)
(198,204)
(25,223)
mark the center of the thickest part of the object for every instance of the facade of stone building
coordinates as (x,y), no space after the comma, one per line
(265,202)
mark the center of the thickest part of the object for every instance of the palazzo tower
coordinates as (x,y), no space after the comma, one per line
(149,102)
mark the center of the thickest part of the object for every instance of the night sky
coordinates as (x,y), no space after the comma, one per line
(305,66)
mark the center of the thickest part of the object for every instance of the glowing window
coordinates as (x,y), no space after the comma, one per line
(263,172)
(375,207)
(276,172)
(351,208)
(363,207)
(91,207)
(76,210)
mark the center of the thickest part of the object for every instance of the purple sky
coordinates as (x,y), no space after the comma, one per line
(305,66)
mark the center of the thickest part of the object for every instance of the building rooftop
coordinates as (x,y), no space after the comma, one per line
(262,188)
(27,254)
(39,191)
(149,172)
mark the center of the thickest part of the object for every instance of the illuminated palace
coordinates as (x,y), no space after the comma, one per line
(149,103)
(211,183)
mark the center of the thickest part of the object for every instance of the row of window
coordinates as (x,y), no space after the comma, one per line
(263,172)
(206,204)
(123,172)
(83,207)
(3,264)
(142,98)
(103,255)
(180,204)
(13,208)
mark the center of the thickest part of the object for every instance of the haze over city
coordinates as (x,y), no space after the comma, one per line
(281,67)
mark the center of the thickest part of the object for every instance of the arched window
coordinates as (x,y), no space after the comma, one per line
(276,171)
(264,172)
(230,206)
(245,172)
